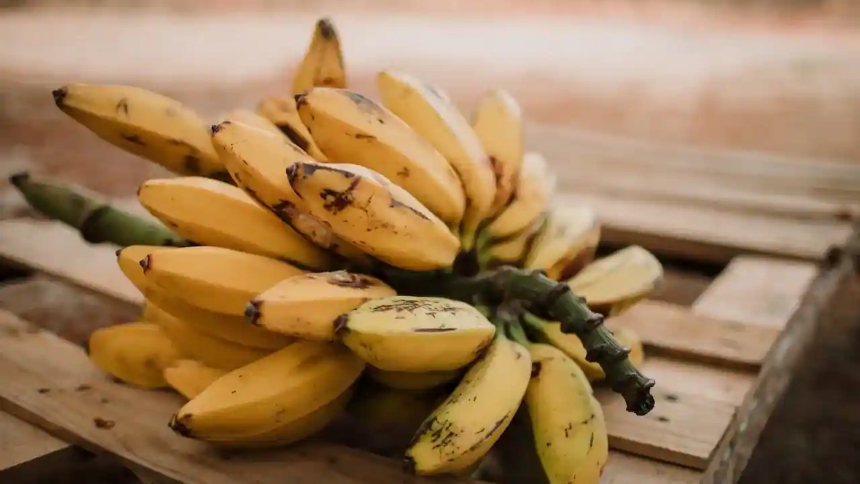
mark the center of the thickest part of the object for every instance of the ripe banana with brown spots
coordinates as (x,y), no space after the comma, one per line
(284,114)
(432,114)
(567,421)
(566,243)
(531,198)
(374,214)
(498,122)
(146,124)
(308,305)
(350,128)
(322,64)
(463,428)
(416,334)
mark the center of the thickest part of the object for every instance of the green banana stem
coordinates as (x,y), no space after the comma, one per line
(94,218)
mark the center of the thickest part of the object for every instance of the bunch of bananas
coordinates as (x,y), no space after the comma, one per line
(337,255)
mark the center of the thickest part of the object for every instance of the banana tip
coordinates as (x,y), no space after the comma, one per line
(252,312)
(59,95)
(215,128)
(293,172)
(146,263)
(177,424)
(19,179)
(340,323)
(409,464)
(326,28)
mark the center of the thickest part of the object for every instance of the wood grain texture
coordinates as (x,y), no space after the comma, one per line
(674,330)
(50,383)
(26,451)
(735,448)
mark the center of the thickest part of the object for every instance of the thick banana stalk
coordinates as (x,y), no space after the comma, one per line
(96,219)
(146,124)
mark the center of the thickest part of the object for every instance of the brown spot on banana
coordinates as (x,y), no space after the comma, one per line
(326,29)
(133,139)
(433,330)
(122,106)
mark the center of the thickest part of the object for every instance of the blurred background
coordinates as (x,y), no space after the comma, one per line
(777,76)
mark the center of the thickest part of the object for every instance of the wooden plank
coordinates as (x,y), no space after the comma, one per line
(28,454)
(784,358)
(710,234)
(55,249)
(623,468)
(682,429)
(677,331)
(757,290)
(50,383)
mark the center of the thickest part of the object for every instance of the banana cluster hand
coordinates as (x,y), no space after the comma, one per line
(324,231)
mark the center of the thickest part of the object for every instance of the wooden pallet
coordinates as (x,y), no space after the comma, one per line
(720,363)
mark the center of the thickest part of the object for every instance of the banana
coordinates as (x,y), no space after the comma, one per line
(283,113)
(463,428)
(614,283)
(144,123)
(531,198)
(571,345)
(148,311)
(567,421)
(218,214)
(350,128)
(307,305)
(371,212)
(252,119)
(230,328)
(260,401)
(190,377)
(498,122)
(213,278)
(258,162)
(128,259)
(567,242)
(433,115)
(513,250)
(135,353)
(207,349)
(385,419)
(412,381)
(416,334)
(322,64)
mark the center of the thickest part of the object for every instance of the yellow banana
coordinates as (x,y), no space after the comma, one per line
(128,259)
(258,162)
(135,353)
(207,349)
(530,199)
(213,278)
(463,428)
(307,305)
(190,377)
(385,419)
(322,64)
(252,119)
(261,400)
(567,421)
(416,334)
(438,120)
(614,283)
(146,124)
(513,250)
(571,345)
(218,214)
(351,128)
(567,242)
(282,112)
(230,328)
(148,311)
(498,122)
(371,212)
(412,381)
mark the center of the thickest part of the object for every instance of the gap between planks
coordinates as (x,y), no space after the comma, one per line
(674,437)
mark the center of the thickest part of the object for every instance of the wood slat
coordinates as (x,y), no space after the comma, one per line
(710,234)
(674,330)
(760,291)
(51,383)
(28,454)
